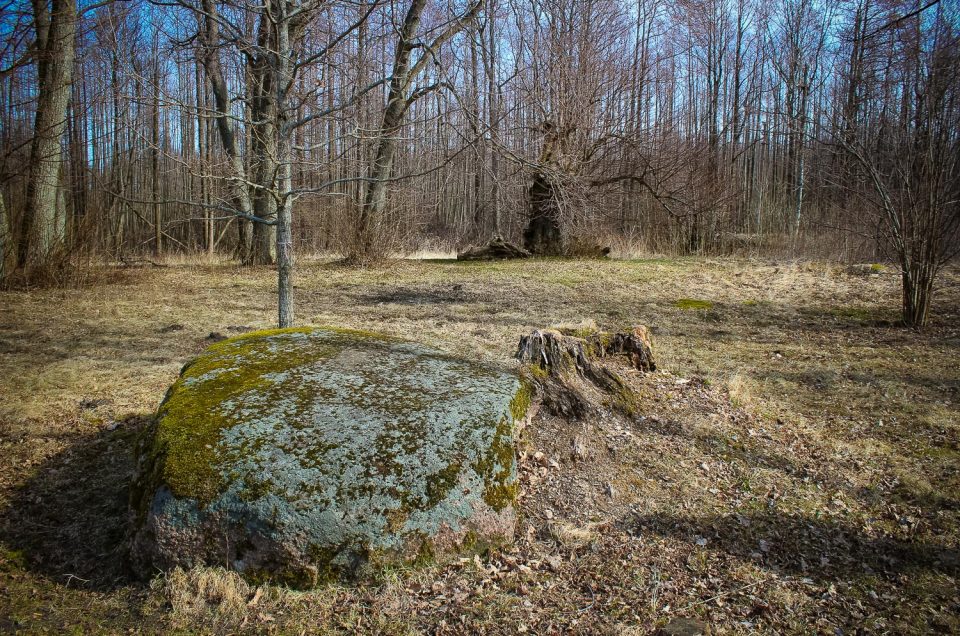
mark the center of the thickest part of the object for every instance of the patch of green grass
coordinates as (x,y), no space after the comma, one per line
(688,304)
(12,559)
(856,313)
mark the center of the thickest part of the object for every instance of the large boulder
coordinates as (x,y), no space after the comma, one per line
(300,455)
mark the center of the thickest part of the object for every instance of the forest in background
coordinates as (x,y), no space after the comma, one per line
(791,466)
(821,128)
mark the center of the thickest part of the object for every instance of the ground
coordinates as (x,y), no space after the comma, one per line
(793,467)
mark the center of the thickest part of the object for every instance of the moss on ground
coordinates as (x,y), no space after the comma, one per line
(688,304)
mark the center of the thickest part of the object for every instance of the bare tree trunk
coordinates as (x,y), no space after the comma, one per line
(284,237)
(203,155)
(78,150)
(399,100)
(56,35)
(238,183)
(397,104)
(6,245)
(264,110)
(155,163)
(804,89)
(476,123)
(917,280)
(490,60)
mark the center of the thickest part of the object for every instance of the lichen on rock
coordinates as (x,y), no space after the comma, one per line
(300,455)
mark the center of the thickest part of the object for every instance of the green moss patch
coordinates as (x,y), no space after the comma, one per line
(688,304)
(192,416)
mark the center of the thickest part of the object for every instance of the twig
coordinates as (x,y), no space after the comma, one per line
(593,600)
(71,577)
(722,594)
(897,21)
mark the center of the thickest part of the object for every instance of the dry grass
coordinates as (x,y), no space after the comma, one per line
(812,426)
(575,537)
(208,596)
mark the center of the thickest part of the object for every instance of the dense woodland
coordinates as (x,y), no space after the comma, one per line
(826,128)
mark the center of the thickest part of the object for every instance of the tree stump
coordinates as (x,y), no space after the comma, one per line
(569,374)
(542,236)
(635,345)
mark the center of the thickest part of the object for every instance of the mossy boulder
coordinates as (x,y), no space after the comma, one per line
(300,455)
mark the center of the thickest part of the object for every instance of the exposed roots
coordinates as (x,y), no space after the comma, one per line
(570,374)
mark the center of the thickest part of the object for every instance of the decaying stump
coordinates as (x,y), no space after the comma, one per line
(496,250)
(570,375)
(542,235)
(635,345)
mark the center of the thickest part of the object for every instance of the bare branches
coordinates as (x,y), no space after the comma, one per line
(674,125)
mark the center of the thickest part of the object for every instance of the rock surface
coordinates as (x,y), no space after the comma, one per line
(302,455)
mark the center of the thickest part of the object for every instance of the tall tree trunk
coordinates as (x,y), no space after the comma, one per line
(238,184)
(78,150)
(284,212)
(264,201)
(56,35)
(479,159)
(801,140)
(382,166)
(6,244)
(399,100)
(264,109)
(155,163)
(493,113)
(203,157)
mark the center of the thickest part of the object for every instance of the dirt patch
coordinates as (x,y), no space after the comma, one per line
(434,294)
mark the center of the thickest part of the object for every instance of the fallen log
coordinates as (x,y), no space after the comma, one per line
(497,249)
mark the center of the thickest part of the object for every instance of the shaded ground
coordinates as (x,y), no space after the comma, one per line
(793,469)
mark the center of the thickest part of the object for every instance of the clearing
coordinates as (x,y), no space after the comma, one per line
(793,467)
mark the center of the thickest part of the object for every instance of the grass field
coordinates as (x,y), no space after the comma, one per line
(794,467)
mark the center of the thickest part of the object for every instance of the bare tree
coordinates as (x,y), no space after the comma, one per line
(366,127)
(42,224)
(907,148)
(401,96)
